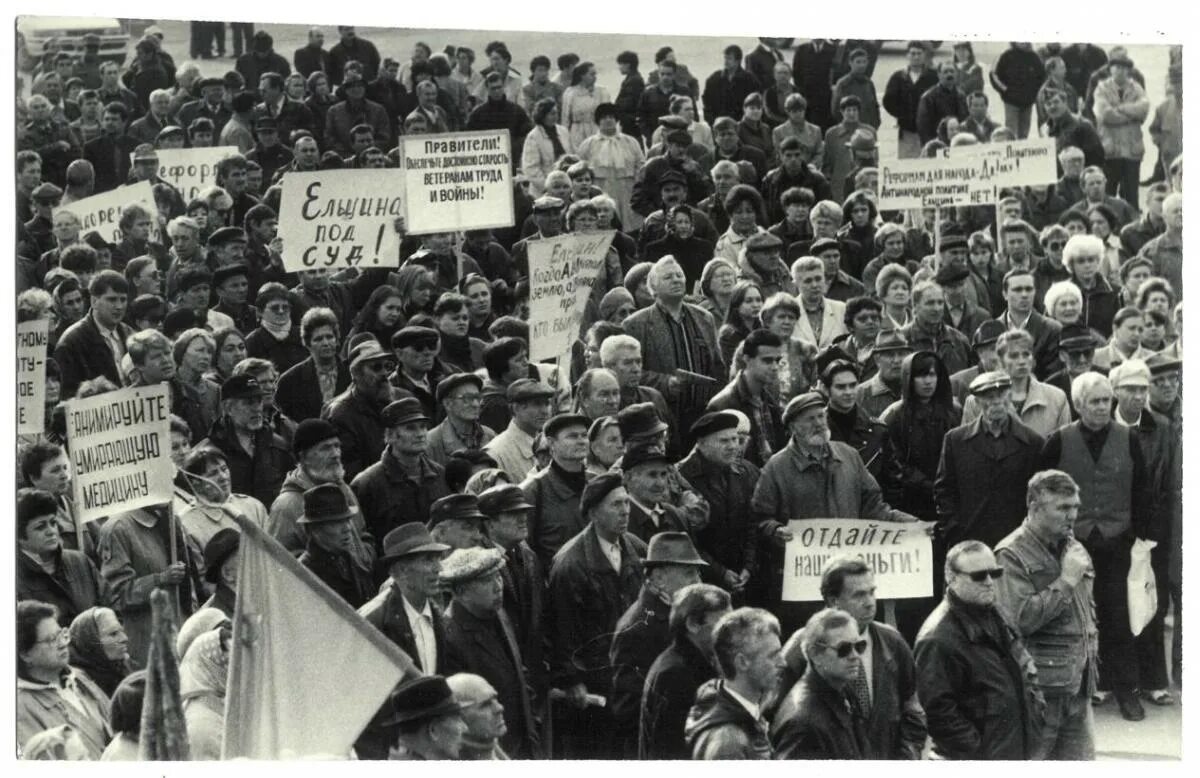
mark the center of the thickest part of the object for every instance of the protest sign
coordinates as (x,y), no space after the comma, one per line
(966,175)
(102,213)
(341,218)
(191,170)
(562,271)
(32,339)
(900,554)
(459,181)
(120,444)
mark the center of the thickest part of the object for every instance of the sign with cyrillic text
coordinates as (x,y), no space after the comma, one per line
(459,181)
(341,218)
(120,444)
(966,175)
(900,554)
(32,339)
(102,213)
(191,170)
(562,272)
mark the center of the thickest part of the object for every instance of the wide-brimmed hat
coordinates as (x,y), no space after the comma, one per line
(325,503)
(408,539)
(639,420)
(672,548)
(217,550)
(424,697)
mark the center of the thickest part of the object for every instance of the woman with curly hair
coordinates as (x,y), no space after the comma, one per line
(387,309)
(747,214)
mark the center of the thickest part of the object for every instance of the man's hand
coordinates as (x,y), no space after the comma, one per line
(732,580)
(173,575)
(782,535)
(1075,563)
(401,226)
(577,696)
(275,248)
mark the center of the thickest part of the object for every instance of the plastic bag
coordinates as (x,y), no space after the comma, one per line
(1140,586)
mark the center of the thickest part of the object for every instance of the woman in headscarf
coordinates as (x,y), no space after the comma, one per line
(605,445)
(203,673)
(716,287)
(544,145)
(100,648)
(741,318)
(615,159)
(125,717)
(580,101)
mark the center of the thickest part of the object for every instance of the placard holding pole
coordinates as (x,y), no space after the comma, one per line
(101,213)
(562,272)
(120,445)
(341,218)
(458,181)
(900,554)
(32,340)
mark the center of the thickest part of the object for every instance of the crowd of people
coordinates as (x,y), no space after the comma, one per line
(584,557)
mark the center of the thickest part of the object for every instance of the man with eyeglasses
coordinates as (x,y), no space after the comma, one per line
(970,661)
(461,396)
(1076,351)
(357,413)
(417,372)
(1046,593)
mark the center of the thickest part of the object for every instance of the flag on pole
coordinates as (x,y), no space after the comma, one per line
(163,733)
(306,672)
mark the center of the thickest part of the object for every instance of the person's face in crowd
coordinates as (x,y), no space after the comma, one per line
(932,306)
(334,536)
(666,75)
(723,178)
(268,137)
(139,230)
(198,355)
(268,380)
(1077,362)
(1085,266)
(824,227)
(109,307)
(580,186)
(670,282)
(611,515)
(1154,203)
(71,306)
(41,538)
(1018,294)
(1093,186)
(498,63)
(316,280)
(1158,301)
(410,439)
(964,587)
(1056,107)
(51,649)
(321,87)
(29,177)
(1131,399)
(850,114)
(518,367)
(482,595)
(202,139)
(723,280)
(1095,410)
(649,483)
(1164,389)
(669,579)
(812,286)
(782,323)
(947,75)
(532,414)
(484,718)
(760,662)
(233,291)
(1016,244)
(810,428)
(1053,250)
(113,639)
(39,110)
(465,404)
(752,113)
(180,444)
(55,477)
(294,87)
(1153,333)
(195,297)
(585,222)
(860,214)
(1100,226)
(721,447)
(570,445)
(727,139)
(687,109)
(1053,516)
(245,414)
(393,308)
(857,598)
(604,399)
(977,108)
(744,218)
(925,384)
(427,95)
(628,367)
(956,293)
(323,462)
(509,528)
(826,655)
(916,58)
(608,446)
(1173,215)
(160,365)
(455,323)
(1073,165)
(112,123)
(254,181)
(890,364)
(421,573)
(994,404)
(217,484)
(752,303)
(843,390)
(235,181)
(1067,310)
(418,359)
(65,228)
(865,325)
(480,296)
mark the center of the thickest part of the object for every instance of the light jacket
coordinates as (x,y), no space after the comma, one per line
(1120,113)
(41,706)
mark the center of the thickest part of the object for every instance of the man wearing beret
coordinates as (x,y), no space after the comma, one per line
(404,484)
(529,402)
(455,520)
(642,632)
(460,396)
(594,578)
(554,491)
(481,639)
(231,283)
(329,552)
(417,367)
(357,413)
(259,459)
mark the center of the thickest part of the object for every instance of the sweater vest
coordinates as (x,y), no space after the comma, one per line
(1106,486)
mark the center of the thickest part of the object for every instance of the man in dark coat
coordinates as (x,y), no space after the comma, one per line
(849,423)
(302,388)
(357,413)
(903,95)
(648,474)
(929,332)
(95,345)
(554,492)
(939,102)
(499,113)
(812,71)
(676,168)
(480,639)
(970,662)
(349,48)
(211,105)
(312,56)
(594,578)
(726,88)
(259,459)
(1069,130)
(329,553)
(46,571)
(642,632)
(672,681)
(753,393)
(1020,289)
(109,154)
(1018,75)
(995,449)
(262,58)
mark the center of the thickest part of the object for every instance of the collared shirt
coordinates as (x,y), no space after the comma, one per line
(1013,324)
(612,551)
(751,707)
(422,627)
(327,380)
(1119,418)
(112,339)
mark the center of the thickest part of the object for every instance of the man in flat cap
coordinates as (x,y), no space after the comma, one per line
(357,413)
(1077,346)
(642,632)
(405,610)
(427,720)
(455,520)
(529,402)
(210,105)
(328,523)
(594,578)
(269,150)
(961,313)
(259,459)
(554,491)
(992,447)
(764,263)
(404,483)
(1040,407)
(481,639)
(460,396)
(417,367)
(839,285)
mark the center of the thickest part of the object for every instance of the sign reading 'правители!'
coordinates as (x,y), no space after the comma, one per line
(120,444)
(32,339)
(341,218)
(900,554)
(459,181)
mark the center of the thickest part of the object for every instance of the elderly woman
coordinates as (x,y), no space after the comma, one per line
(195,398)
(1106,227)
(615,159)
(100,648)
(580,101)
(692,252)
(741,318)
(126,719)
(716,287)
(890,249)
(544,145)
(747,214)
(1083,256)
(1064,302)
(605,446)
(893,287)
(203,675)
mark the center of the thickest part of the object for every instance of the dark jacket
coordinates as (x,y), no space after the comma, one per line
(936,104)
(951,346)
(729,539)
(645,198)
(1045,332)
(357,49)
(720,727)
(252,66)
(812,71)
(524,581)
(870,439)
(971,457)
(1022,73)
(587,598)
(555,517)
(342,117)
(502,115)
(1071,130)
(817,721)
(670,690)
(73,587)
(779,180)
(359,423)
(653,102)
(641,635)
(110,158)
(670,519)
(628,98)
(82,354)
(308,60)
(723,94)
(902,96)
(298,394)
(283,354)
(259,475)
(978,685)
(692,253)
(1100,305)
(390,496)
(339,572)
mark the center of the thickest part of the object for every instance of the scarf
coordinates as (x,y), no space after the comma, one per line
(204,669)
(278,331)
(612,156)
(87,653)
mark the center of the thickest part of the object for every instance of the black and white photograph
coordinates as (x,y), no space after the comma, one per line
(478,392)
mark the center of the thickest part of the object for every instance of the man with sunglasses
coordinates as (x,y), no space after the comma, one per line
(1046,592)
(357,413)
(970,661)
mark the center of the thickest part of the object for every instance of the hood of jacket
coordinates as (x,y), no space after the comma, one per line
(713,709)
(942,395)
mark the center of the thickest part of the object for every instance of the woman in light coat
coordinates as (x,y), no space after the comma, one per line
(547,142)
(615,159)
(579,103)
(203,674)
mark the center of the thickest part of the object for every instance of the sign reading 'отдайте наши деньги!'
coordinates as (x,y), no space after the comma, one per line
(901,554)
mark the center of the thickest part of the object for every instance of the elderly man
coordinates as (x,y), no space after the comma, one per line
(884,388)
(598,393)
(995,447)
(258,458)
(754,393)
(529,402)
(1116,491)
(882,691)
(1040,407)
(480,639)
(1095,184)
(327,521)
(404,484)
(1076,351)
(357,412)
(727,721)
(983,344)
(427,722)
(405,611)
(460,395)
(642,632)
(962,313)
(417,367)
(929,332)
(677,672)
(1046,593)
(483,714)
(146,128)
(648,475)
(1166,250)
(1020,290)
(554,491)
(456,521)
(312,56)
(622,355)
(971,661)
